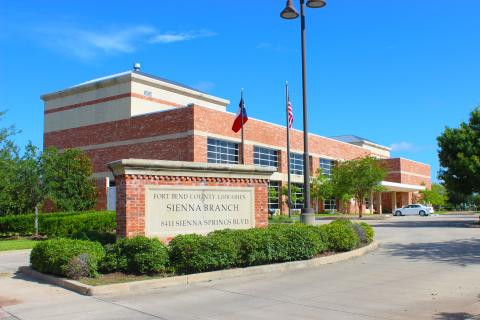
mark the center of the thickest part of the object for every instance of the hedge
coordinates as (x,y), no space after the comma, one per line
(57,255)
(58,224)
(138,255)
(194,253)
(226,249)
(340,235)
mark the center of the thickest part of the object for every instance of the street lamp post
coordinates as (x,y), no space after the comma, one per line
(307,216)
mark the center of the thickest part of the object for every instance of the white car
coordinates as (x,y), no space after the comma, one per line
(414,210)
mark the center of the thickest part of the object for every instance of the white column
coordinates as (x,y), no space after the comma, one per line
(379,202)
(394,201)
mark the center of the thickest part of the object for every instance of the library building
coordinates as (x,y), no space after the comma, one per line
(135,115)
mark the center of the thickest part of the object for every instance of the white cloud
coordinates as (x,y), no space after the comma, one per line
(89,44)
(170,37)
(403,146)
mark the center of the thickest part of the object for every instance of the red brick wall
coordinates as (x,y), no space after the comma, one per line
(217,122)
(160,123)
(178,149)
(406,171)
(102,191)
(131,198)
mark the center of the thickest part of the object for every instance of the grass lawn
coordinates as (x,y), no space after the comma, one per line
(16,244)
(119,277)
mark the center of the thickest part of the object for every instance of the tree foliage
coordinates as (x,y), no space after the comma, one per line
(436,196)
(320,188)
(27,179)
(357,178)
(67,180)
(459,155)
(294,195)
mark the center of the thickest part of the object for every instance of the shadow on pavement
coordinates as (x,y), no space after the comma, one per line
(457,252)
(429,224)
(455,316)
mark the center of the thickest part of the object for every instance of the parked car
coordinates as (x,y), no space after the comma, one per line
(414,210)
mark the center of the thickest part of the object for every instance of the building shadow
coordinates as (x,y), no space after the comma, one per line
(457,252)
(455,316)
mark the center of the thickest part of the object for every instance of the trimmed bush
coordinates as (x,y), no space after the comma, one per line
(54,256)
(58,224)
(139,255)
(94,235)
(369,232)
(195,253)
(226,249)
(340,236)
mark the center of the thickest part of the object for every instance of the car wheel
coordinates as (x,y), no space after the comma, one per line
(397,213)
(422,213)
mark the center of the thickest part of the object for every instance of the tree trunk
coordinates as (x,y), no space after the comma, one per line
(360,209)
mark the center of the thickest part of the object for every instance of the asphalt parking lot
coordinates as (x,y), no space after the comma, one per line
(425,268)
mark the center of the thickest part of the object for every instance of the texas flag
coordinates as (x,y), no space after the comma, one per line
(241,117)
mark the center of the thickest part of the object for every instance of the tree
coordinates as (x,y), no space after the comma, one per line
(436,196)
(67,179)
(320,188)
(358,178)
(459,155)
(294,197)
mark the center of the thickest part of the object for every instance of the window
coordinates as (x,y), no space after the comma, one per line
(265,157)
(273,195)
(299,203)
(330,204)
(327,165)
(220,151)
(296,163)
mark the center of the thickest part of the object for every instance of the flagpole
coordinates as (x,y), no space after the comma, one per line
(243,141)
(288,152)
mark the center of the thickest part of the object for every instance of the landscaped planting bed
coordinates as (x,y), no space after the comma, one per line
(144,258)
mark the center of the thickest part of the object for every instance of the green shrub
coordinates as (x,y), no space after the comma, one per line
(279,243)
(195,253)
(53,256)
(369,232)
(139,255)
(340,236)
(58,224)
(94,235)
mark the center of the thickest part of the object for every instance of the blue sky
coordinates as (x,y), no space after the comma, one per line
(395,72)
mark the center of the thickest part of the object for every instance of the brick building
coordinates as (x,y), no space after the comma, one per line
(137,115)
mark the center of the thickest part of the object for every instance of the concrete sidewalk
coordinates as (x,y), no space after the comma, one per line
(426,268)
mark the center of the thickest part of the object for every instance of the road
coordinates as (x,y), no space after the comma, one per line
(425,268)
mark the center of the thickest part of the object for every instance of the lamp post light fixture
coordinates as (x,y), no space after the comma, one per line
(307,216)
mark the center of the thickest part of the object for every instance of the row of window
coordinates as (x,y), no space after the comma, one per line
(274,196)
(221,151)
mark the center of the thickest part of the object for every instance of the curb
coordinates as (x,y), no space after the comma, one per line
(138,286)
(14,251)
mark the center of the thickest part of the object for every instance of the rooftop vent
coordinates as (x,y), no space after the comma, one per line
(136,66)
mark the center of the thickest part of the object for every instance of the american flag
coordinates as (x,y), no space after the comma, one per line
(290,114)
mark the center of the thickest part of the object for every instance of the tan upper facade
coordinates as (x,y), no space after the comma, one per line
(119,97)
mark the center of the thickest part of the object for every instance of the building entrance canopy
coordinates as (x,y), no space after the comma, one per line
(401,187)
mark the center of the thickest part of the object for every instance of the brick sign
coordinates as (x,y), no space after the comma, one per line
(173,210)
